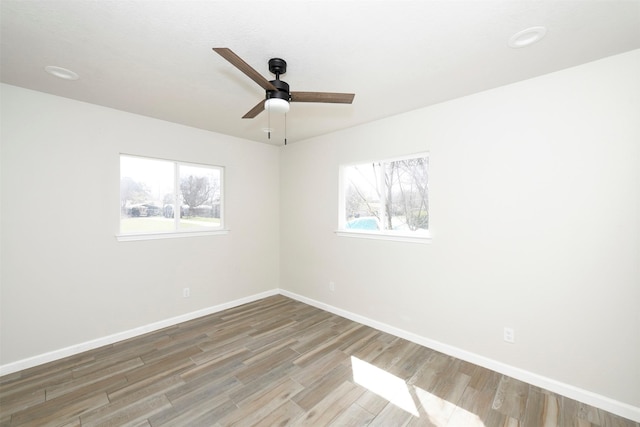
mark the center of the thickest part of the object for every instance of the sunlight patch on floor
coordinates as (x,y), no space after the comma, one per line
(410,398)
(383,384)
(444,413)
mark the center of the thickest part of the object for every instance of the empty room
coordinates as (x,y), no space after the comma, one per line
(344,213)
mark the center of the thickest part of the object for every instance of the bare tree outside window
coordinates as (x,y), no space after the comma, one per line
(200,192)
(407,201)
(387,195)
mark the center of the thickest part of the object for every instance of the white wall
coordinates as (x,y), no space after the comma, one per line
(65,278)
(535,216)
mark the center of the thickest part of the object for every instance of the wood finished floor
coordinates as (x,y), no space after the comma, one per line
(278,362)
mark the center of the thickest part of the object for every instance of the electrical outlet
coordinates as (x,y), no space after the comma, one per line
(186,293)
(509,335)
(332,286)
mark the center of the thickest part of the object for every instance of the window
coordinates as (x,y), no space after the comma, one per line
(162,198)
(386,198)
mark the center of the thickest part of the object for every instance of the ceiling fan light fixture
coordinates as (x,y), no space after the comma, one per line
(276,105)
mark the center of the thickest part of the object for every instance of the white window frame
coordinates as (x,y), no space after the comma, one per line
(394,235)
(176,233)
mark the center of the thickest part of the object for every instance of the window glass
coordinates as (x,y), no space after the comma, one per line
(152,191)
(386,196)
(200,197)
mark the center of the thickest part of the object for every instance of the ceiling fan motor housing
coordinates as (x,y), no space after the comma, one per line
(278,66)
(282,92)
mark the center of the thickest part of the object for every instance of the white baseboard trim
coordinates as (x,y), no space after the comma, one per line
(619,408)
(120,336)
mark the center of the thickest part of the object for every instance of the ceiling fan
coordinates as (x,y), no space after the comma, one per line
(277,95)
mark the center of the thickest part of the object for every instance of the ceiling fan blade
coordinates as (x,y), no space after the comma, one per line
(259,108)
(334,98)
(239,63)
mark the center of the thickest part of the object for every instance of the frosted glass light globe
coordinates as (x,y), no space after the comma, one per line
(276,105)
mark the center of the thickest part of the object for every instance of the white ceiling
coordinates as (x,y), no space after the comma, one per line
(154,57)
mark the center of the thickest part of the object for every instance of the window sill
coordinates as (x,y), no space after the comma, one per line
(380,235)
(170,235)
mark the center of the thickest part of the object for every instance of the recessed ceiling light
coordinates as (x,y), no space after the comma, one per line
(527,37)
(62,73)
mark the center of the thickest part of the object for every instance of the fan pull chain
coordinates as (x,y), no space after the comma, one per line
(285,128)
(268,123)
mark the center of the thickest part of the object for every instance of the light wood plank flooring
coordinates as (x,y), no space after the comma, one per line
(278,362)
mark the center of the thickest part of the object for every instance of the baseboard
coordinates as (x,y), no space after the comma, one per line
(120,336)
(619,408)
